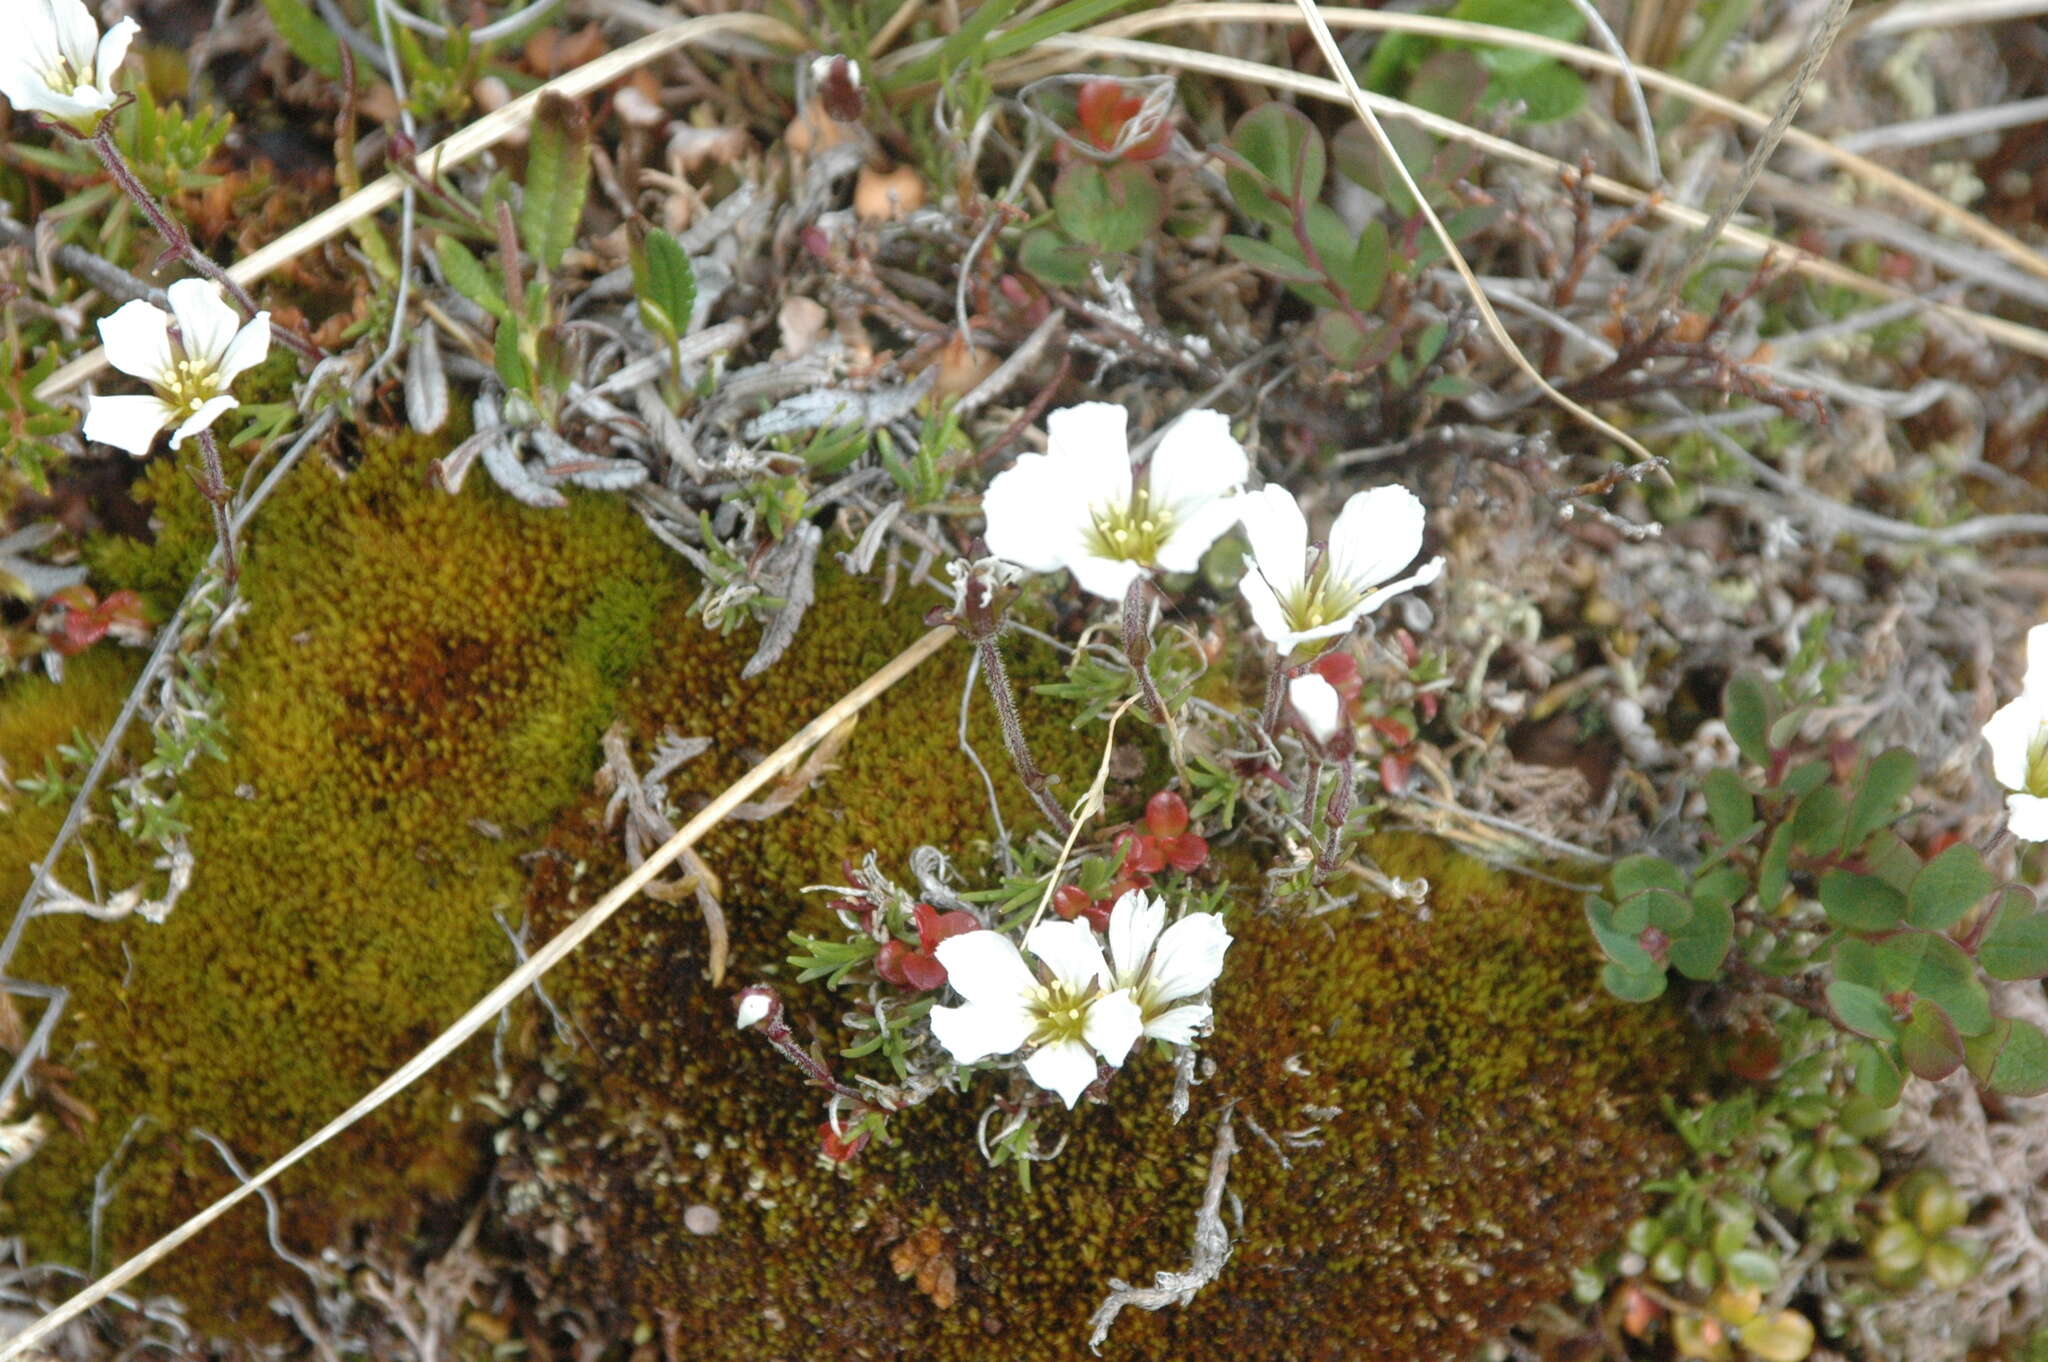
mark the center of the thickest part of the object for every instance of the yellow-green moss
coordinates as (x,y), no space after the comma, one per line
(1484,1115)
(415,673)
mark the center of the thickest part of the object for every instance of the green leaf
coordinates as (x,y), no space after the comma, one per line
(1818,820)
(1887,780)
(968,39)
(310,40)
(1861,903)
(1633,874)
(1746,708)
(1282,146)
(2015,946)
(1934,967)
(1047,255)
(1699,947)
(1632,987)
(1804,779)
(1928,1043)
(1751,1267)
(1360,160)
(1547,92)
(665,283)
(557,179)
(1112,208)
(1887,856)
(2011,1058)
(467,275)
(1862,1010)
(1364,275)
(1659,908)
(1619,946)
(511,363)
(1276,261)
(1448,84)
(1785,728)
(1947,887)
(1338,337)
(1773,872)
(1076,14)
(1878,1076)
(1729,805)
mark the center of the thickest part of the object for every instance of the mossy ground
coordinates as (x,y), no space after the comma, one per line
(411,667)
(1491,1125)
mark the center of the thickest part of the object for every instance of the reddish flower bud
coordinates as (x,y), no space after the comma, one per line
(837,1147)
(1166,814)
(1071,901)
(1339,669)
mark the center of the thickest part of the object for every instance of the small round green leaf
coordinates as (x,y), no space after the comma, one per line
(1861,903)
(1746,707)
(1729,805)
(2016,945)
(1888,779)
(1862,1010)
(2011,1058)
(1632,987)
(1947,887)
(1928,1043)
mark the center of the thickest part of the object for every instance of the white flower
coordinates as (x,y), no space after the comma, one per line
(753,1009)
(1160,968)
(1317,702)
(1294,601)
(58,64)
(191,375)
(1078,506)
(2018,734)
(1008,1008)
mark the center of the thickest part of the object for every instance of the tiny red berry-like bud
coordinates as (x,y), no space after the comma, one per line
(1187,852)
(1395,771)
(1142,854)
(1339,669)
(837,1147)
(1166,814)
(923,971)
(889,963)
(934,926)
(1070,901)
(1655,943)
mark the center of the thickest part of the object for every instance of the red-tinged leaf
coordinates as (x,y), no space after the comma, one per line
(1071,901)
(1929,1044)
(1187,852)
(837,1147)
(1166,814)
(889,963)
(924,972)
(1395,772)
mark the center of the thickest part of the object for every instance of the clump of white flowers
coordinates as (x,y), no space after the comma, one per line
(190,375)
(1082,507)
(1298,594)
(58,64)
(2018,735)
(1085,1011)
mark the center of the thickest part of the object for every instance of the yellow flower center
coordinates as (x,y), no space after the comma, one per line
(1062,1014)
(188,385)
(2037,763)
(1133,532)
(1321,599)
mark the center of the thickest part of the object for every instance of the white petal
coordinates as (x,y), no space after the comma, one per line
(1279,535)
(77,34)
(1178,1025)
(1266,611)
(138,340)
(2028,817)
(1070,951)
(206,324)
(1065,1067)
(1108,578)
(1194,530)
(2011,733)
(1113,1025)
(1188,958)
(984,968)
(1198,461)
(129,423)
(247,350)
(113,50)
(1087,443)
(1134,923)
(82,107)
(1428,573)
(1378,533)
(973,1033)
(1034,520)
(752,1010)
(1318,704)
(209,411)
(2036,678)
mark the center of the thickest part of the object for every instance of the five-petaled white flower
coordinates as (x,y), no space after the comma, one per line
(58,64)
(191,375)
(1062,1019)
(1080,507)
(2018,734)
(1317,702)
(1296,599)
(1159,969)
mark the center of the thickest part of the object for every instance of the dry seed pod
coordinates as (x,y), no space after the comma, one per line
(884,195)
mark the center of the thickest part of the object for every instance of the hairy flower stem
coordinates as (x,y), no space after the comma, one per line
(997,678)
(1334,819)
(213,485)
(775,1030)
(1276,686)
(1312,790)
(1138,644)
(179,241)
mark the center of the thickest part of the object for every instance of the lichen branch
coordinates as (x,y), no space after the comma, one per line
(1211,1250)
